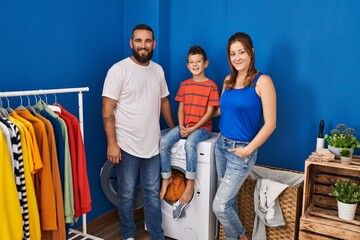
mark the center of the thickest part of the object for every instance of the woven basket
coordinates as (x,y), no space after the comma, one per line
(290,202)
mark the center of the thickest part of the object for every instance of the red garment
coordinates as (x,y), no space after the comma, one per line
(82,190)
(73,150)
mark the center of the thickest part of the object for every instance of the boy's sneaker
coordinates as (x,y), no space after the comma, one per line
(178,210)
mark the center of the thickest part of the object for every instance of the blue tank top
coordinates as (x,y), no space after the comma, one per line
(241,113)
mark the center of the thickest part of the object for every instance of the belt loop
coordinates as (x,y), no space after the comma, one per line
(234,144)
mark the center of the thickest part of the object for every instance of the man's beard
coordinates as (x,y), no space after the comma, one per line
(142,59)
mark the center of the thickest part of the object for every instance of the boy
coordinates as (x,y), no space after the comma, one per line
(198,97)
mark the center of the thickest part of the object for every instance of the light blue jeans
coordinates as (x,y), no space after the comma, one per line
(129,169)
(168,141)
(232,171)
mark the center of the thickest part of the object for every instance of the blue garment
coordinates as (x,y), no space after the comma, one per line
(232,171)
(241,113)
(60,143)
(128,171)
(168,141)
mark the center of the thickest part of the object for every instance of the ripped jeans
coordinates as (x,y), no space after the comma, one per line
(232,171)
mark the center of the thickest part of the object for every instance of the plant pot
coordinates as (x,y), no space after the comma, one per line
(336,151)
(346,211)
(345,160)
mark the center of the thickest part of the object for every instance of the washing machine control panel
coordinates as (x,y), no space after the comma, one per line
(178,150)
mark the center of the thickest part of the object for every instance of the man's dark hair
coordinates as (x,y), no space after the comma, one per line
(142,27)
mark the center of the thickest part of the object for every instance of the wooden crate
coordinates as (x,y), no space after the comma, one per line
(313,236)
(290,202)
(319,218)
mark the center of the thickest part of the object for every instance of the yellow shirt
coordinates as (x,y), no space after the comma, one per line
(10,212)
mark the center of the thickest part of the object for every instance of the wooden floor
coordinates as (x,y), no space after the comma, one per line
(107,227)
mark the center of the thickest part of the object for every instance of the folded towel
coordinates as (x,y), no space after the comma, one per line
(178,210)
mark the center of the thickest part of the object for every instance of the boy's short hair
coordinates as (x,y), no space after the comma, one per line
(197,50)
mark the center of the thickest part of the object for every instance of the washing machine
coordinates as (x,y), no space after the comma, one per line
(199,222)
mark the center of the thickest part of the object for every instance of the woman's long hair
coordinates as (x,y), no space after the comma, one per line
(252,71)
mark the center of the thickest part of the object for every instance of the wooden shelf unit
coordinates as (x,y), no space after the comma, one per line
(319,218)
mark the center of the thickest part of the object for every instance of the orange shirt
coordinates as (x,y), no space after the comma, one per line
(34,154)
(43,181)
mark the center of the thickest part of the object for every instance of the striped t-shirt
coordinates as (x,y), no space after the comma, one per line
(196,97)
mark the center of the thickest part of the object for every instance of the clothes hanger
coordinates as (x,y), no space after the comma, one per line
(53,106)
(3,111)
(9,109)
(30,108)
(38,103)
(21,107)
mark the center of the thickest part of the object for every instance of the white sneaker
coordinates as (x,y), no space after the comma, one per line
(130,239)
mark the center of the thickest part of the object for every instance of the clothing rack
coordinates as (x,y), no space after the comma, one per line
(80,103)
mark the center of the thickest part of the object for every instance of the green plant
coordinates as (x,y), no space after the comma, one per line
(346,191)
(342,137)
(345,152)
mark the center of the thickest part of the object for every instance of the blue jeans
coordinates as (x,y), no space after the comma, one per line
(232,171)
(168,141)
(129,169)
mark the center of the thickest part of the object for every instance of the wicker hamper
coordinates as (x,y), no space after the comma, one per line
(290,201)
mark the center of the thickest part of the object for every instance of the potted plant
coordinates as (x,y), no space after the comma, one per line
(345,156)
(347,194)
(341,137)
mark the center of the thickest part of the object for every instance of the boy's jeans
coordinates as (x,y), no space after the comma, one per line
(232,171)
(168,141)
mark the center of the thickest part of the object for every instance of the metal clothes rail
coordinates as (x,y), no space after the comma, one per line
(81,118)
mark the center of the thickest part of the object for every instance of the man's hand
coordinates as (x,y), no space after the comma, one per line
(114,153)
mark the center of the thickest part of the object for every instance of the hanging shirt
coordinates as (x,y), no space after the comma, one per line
(6,134)
(10,214)
(79,160)
(35,162)
(62,142)
(27,147)
(43,181)
(60,232)
(19,174)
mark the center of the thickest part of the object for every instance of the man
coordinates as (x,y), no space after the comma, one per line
(134,94)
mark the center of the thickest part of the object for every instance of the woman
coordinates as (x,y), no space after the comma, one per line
(248,118)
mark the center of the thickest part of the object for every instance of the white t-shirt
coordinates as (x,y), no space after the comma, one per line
(138,90)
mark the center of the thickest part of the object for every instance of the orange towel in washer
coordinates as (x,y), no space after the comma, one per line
(176,188)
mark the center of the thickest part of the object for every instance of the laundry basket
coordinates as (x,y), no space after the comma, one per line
(290,201)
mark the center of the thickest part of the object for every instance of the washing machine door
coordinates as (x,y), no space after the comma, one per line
(195,202)
(109,180)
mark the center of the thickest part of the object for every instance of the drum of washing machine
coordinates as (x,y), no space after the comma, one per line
(109,180)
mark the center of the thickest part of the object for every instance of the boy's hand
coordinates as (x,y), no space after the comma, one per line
(184,131)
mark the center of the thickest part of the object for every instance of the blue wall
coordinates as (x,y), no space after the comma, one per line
(311,50)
